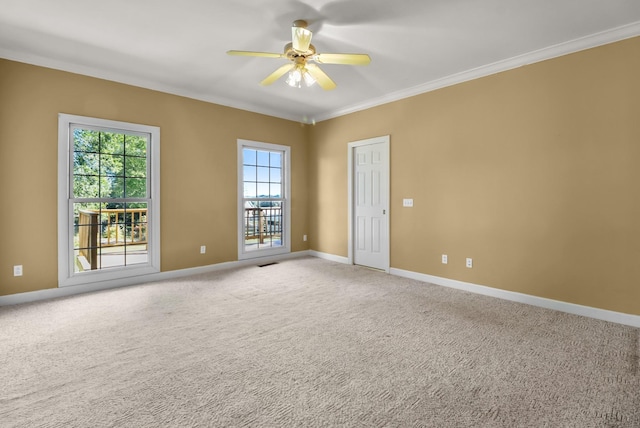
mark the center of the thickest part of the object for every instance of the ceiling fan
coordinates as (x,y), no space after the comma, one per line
(300,51)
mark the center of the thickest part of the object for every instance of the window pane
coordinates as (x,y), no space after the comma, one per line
(112,257)
(86,163)
(135,166)
(249,157)
(263,190)
(86,141)
(137,223)
(263,174)
(136,254)
(86,213)
(249,173)
(114,206)
(86,236)
(86,186)
(275,159)
(262,225)
(275,190)
(111,143)
(135,146)
(112,187)
(136,187)
(112,226)
(250,190)
(263,158)
(275,175)
(111,165)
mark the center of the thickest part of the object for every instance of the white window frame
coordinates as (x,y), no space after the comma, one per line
(66,272)
(286,205)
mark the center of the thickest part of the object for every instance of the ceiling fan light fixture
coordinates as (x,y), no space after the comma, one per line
(298,75)
(295,78)
(308,78)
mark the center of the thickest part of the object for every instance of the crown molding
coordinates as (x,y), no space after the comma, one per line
(41,61)
(583,43)
(572,46)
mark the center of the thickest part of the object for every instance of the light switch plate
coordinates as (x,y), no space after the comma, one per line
(407,202)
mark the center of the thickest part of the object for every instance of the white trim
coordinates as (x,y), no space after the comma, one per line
(100,73)
(571,308)
(583,43)
(66,275)
(286,176)
(576,45)
(52,293)
(330,257)
(385,139)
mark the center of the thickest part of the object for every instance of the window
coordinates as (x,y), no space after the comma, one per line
(108,200)
(263,202)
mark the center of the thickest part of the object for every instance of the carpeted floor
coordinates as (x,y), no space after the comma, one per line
(309,342)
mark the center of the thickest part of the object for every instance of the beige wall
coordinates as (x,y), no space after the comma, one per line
(534,173)
(198,168)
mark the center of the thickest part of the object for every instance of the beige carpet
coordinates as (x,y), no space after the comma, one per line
(310,343)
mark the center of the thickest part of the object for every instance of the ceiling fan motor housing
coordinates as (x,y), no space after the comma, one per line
(301,36)
(293,54)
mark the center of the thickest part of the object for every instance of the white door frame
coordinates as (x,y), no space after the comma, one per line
(351,229)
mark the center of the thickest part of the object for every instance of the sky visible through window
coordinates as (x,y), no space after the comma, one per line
(262,174)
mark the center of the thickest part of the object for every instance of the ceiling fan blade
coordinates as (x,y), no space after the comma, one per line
(321,77)
(260,54)
(276,75)
(349,59)
(300,36)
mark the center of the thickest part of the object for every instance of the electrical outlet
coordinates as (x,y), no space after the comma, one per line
(445,259)
(17,270)
(304,238)
(469,262)
(203,249)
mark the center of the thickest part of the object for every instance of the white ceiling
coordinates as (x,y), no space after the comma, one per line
(415,45)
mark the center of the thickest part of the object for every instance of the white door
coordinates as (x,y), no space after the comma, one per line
(370,193)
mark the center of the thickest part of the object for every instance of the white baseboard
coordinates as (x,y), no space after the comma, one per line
(571,308)
(52,293)
(330,257)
